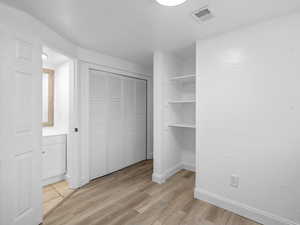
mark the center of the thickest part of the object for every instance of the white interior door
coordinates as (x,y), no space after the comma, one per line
(20,130)
(118,122)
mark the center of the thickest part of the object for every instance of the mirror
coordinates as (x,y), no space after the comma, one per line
(48,97)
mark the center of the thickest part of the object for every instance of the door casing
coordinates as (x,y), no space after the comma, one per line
(73,137)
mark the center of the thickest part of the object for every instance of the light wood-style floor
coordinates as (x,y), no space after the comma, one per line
(54,194)
(129,197)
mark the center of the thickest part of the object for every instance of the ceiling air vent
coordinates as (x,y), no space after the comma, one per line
(202,14)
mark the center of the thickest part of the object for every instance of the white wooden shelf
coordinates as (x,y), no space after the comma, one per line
(184,78)
(182,101)
(182,125)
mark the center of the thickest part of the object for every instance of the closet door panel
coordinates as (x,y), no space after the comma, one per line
(98,124)
(129,120)
(141,120)
(118,121)
(115,149)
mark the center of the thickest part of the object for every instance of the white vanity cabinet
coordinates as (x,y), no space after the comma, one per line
(54,153)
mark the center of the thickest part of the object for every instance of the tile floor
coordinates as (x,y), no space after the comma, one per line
(53,194)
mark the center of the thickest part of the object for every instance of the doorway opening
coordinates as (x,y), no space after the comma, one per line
(57,81)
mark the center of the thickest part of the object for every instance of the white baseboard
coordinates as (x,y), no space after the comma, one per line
(257,215)
(188,166)
(172,171)
(53,180)
(161,178)
(84,181)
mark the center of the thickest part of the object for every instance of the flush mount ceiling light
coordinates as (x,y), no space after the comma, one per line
(171,2)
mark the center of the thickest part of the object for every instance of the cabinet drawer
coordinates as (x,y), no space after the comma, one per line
(60,139)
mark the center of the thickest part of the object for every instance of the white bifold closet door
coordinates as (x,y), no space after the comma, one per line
(118,122)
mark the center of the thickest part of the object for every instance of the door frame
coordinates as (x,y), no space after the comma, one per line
(84,70)
(73,137)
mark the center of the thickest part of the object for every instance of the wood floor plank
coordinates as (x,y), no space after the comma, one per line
(85,205)
(176,205)
(149,216)
(195,213)
(49,194)
(174,218)
(236,219)
(129,197)
(54,195)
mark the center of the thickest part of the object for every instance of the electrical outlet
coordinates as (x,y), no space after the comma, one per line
(234,181)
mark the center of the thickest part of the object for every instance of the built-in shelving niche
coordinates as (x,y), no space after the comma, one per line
(174,112)
(182,101)
(181,115)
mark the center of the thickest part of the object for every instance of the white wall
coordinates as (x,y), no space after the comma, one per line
(62,73)
(188,154)
(112,62)
(249,120)
(189,65)
(61,97)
